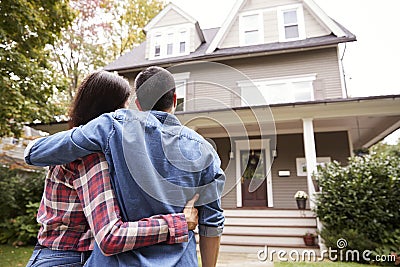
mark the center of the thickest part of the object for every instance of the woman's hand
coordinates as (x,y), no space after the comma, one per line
(191,213)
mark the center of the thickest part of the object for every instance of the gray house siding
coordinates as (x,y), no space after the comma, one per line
(203,93)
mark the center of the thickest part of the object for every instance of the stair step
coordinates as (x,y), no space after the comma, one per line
(267,230)
(263,240)
(310,222)
(268,213)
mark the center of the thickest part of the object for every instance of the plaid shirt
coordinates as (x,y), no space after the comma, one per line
(78,204)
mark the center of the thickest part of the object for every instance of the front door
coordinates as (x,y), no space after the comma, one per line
(253,166)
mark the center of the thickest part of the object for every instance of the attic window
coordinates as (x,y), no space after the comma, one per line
(291,23)
(251,29)
(157,45)
(169,42)
(182,42)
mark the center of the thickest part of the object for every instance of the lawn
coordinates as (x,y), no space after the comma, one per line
(11,256)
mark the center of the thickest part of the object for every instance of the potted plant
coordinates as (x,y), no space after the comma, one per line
(309,239)
(301,198)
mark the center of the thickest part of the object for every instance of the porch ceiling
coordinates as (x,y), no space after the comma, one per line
(367,120)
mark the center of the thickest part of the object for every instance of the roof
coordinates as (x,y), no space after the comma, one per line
(135,59)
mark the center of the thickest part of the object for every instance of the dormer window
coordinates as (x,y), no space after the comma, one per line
(182,42)
(291,23)
(251,29)
(170,42)
(157,45)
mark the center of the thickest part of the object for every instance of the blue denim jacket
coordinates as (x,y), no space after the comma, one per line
(156,165)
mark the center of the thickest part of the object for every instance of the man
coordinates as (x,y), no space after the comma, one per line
(156,164)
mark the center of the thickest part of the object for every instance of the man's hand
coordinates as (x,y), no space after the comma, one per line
(191,213)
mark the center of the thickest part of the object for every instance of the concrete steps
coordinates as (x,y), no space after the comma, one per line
(249,231)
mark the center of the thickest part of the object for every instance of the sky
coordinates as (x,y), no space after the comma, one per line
(371,64)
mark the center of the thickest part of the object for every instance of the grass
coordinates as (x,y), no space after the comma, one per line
(11,256)
(317,264)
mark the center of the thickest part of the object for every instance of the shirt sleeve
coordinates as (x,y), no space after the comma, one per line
(211,217)
(67,146)
(103,215)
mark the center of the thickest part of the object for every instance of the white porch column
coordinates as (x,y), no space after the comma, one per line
(311,156)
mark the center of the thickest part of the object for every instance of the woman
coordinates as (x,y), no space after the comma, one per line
(78,206)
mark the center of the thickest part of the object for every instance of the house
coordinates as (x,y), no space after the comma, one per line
(267,88)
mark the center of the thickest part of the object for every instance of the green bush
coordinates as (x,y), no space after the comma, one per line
(361,203)
(20,196)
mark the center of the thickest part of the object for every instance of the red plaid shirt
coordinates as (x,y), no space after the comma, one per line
(79,206)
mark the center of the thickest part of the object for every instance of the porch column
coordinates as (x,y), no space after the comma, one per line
(311,156)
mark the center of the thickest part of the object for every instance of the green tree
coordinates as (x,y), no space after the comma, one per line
(101,31)
(28,82)
(387,149)
(360,203)
(129,19)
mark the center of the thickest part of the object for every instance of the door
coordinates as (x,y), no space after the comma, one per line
(253,166)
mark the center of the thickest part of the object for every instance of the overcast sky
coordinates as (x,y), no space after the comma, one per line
(371,64)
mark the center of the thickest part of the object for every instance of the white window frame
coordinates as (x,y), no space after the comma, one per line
(300,22)
(165,32)
(157,40)
(182,77)
(243,85)
(260,28)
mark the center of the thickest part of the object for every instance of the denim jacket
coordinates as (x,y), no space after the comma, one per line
(156,165)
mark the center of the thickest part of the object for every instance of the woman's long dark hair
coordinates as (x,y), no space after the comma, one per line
(99,93)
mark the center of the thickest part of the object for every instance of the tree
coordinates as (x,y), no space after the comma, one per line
(101,31)
(130,17)
(28,82)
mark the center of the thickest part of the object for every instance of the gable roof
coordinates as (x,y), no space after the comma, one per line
(164,12)
(319,14)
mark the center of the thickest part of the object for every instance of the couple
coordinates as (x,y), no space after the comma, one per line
(155,165)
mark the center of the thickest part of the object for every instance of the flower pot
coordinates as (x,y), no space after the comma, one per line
(309,240)
(301,203)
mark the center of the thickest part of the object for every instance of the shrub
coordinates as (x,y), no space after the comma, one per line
(360,202)
(20,196)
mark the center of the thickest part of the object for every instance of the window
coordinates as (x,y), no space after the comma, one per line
(180,89)
(157,45)
(170,41)
(274,91)
(251,29)
(180,95)
(170,44)
(291,23)
(182,42)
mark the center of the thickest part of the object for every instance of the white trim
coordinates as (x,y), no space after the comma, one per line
(300,22)
(260,28)
(383,134)
(258,88)
(182,77)
(283,79)
(351,148)
(225,26)
(310,155)
(163,12)
(247,145)
(325,19)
